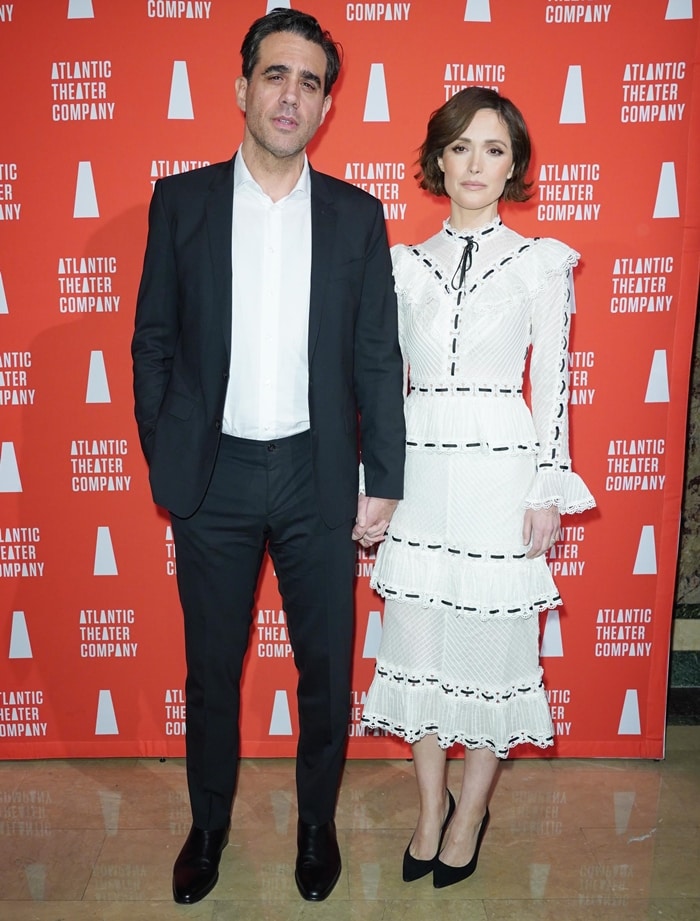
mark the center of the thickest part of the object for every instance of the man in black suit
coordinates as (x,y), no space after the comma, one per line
(265,325)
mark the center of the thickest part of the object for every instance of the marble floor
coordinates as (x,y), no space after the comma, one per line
(569,840)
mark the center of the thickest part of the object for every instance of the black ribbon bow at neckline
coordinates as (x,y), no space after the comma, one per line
(465,263)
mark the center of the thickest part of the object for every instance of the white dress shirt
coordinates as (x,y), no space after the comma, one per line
(267,395)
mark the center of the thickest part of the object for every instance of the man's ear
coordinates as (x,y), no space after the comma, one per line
(327,102)
(241,87)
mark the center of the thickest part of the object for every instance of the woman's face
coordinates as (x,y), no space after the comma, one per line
(476,166)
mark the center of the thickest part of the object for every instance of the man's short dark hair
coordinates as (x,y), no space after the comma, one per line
(302,24)
(450,120)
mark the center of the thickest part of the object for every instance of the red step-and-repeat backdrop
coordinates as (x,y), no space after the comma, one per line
(97,100)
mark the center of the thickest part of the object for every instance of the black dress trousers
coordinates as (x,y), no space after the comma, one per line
(260,497)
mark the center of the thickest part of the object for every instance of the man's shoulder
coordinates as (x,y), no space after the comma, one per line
(196,180)
(344,192)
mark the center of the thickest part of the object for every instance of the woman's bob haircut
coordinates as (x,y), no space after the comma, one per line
(448,122)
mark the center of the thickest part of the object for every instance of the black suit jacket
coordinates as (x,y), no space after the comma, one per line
(182,342)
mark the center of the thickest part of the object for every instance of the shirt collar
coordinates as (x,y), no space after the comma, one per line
(243,176)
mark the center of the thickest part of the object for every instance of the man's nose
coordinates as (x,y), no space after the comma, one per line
(290,96)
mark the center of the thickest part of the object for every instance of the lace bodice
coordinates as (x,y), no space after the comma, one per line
(470,344)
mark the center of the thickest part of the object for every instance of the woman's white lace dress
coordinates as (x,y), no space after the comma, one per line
(460,647)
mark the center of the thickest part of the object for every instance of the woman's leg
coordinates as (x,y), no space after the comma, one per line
(480,768)
(429,761)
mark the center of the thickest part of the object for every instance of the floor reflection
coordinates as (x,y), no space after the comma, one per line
(569,839)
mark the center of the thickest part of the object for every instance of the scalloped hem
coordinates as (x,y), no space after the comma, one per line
(411,736)
(483,612)
(560,487)
(560,502)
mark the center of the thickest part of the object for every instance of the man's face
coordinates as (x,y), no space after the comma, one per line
(283,101)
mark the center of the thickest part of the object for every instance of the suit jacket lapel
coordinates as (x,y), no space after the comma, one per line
(219,216)
(323,224)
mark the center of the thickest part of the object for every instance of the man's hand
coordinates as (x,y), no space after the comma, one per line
(541,530)
(373,517)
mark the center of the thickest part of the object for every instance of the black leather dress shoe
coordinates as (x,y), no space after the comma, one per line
(196,869)
(318,860)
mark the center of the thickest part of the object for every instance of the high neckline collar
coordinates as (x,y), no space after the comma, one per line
(485,230)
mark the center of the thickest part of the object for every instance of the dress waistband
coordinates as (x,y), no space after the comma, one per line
(462,389)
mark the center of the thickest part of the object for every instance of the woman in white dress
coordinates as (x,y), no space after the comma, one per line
(463,566)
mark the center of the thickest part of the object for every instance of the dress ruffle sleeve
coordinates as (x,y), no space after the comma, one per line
(551,306)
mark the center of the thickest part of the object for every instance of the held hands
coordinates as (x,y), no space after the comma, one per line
(541,529)
(373,517)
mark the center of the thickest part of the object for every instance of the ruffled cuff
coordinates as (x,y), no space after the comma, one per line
(564,489)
